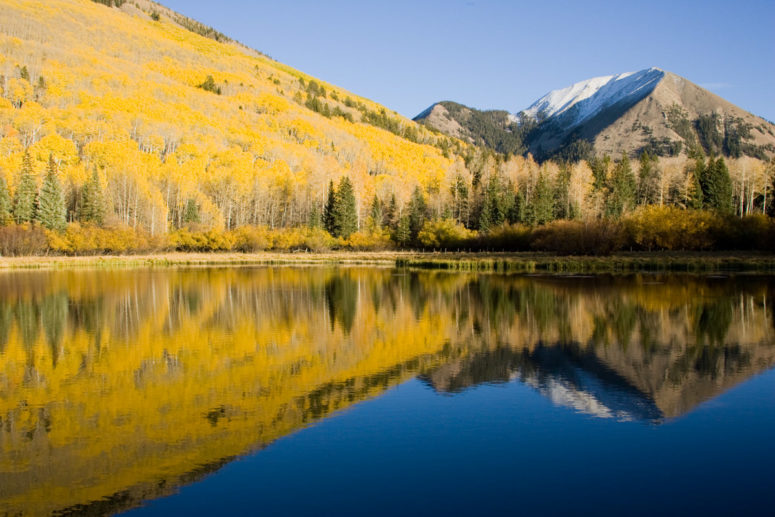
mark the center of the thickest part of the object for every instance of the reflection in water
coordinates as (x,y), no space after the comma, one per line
(118,386)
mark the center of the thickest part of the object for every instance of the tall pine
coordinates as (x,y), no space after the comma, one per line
(329,219)
(347,213)
(717,186)
(51,213)
(91,208)
(25,197)
(5,204)
(621,197)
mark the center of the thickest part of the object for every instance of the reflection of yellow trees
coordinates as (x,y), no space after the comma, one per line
(119,380)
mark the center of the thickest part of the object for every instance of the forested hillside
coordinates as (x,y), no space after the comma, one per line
(125,126)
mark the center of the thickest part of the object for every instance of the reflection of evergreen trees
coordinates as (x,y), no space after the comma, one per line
(342,299)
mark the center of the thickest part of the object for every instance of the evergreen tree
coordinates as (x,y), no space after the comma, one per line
(562,204)
(418,212)
(542,208)
(25,197)
(390,214)
(403,233)
(345,213)
(313,220)
(717,186)
(694,191)
(376,213)
(329,219)
(622,188)
(191,212)
(648,180)
(5,204)
(459,192)
(485,217)
(91,208)
(51,213)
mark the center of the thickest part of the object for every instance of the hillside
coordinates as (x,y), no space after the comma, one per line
(182,124)
(650,110)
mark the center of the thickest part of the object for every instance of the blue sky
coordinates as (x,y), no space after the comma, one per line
(505,54)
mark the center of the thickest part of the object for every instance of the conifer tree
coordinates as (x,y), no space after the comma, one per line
(5,204)
(717,186)
(345,213)
(376,213)
(543,201)
(191,212)
(418,211)
(403,233)
(51,213)
(694,196)
(25,197)
(622,188)
(459,192)
(390,214)
(648,180)
(329,219)
(91,208)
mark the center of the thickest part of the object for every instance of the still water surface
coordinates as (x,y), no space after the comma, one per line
(366,391)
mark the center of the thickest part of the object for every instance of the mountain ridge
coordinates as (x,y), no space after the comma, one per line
(665,114)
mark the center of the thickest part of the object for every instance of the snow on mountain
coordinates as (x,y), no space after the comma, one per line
(585,99)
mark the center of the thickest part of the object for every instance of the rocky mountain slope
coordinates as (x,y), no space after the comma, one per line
(650,110)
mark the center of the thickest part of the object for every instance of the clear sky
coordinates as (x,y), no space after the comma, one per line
(505,54)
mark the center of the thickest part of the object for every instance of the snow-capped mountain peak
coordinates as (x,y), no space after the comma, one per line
(584,99)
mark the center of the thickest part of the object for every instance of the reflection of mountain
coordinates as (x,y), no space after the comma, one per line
(611,382)
(116,386)
(564,375)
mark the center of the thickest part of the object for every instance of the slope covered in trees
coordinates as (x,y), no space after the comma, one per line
(143,130)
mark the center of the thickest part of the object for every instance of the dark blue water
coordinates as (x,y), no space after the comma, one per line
(504,449)
(371,391)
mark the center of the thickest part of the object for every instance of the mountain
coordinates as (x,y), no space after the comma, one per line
(650,110)
(184,125)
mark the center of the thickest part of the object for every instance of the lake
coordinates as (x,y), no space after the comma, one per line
(379,391)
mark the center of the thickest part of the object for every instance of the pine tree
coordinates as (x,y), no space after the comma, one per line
(648,180)
(418,211)
(694,196)
(91,208)
(459,192)
(5,204)
(375,216)
(25,197)
(717,186)
(622,188)
(329,219)
(51,213)
(542,208)
(345,213)
(191,212)
(403,234)
(390,214)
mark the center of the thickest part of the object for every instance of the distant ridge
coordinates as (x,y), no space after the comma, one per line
(650,110)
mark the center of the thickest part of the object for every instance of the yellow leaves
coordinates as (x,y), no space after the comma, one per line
(62,149)
(18,91)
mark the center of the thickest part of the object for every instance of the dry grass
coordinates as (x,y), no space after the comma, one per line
(499,262)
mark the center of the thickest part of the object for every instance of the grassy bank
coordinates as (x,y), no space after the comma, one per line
(493,262)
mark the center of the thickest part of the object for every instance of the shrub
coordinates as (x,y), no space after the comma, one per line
(250,239)
(22,239)
(507,237)
(597,237)
(444,233)
(369,240)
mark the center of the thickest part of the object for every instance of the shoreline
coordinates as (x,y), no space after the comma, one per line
(511,262)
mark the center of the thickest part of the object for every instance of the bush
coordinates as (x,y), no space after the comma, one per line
(22,239)
(369,240)
(210,240)
(250,239)
(93,240)
(597,237)
(444,233)
(507,237)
